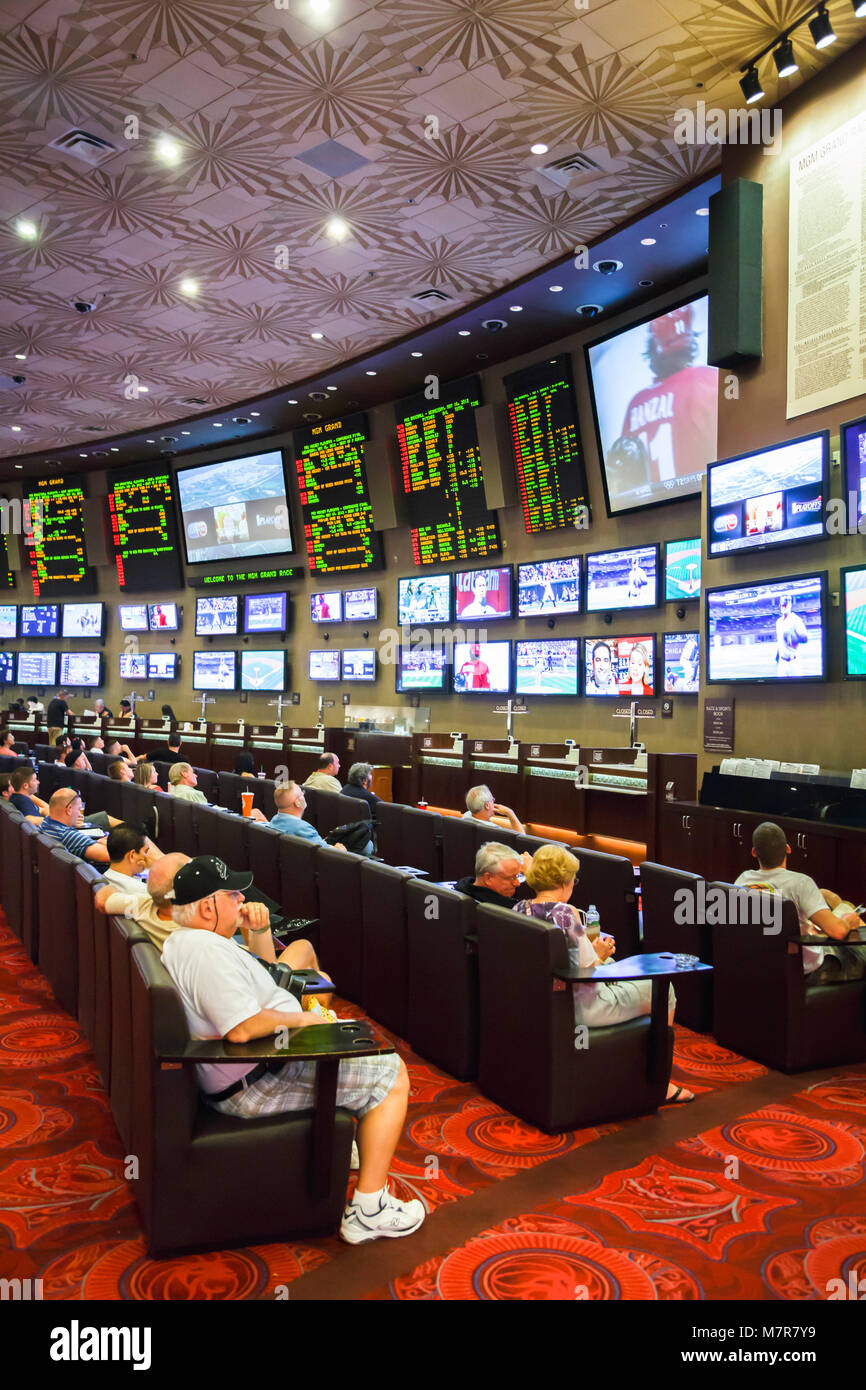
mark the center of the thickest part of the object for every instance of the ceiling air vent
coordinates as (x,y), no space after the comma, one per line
(576,163)
(193,400)
(90,149)
(431,297)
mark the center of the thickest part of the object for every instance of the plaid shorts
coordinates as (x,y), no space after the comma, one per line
(362,1084)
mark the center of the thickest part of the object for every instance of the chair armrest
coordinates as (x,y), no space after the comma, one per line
(344,1039)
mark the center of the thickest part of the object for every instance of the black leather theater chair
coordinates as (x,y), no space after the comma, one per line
(208,782)
(299,884)
(209,1180)
(334,810)
(763,1007)
(443,978)
(459,845)
(311,813)
(384,950)
(178,826)
(29,889)
(264,859)
(528,1061)
(420,841)
(608,881)
(666,895)
(229,788)
(340,935)
(11,866)
(87,882)
(206,822)
(123,934)
(233,839)
(58,925)
(389,836)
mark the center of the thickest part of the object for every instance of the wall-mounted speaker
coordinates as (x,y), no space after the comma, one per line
(735,273)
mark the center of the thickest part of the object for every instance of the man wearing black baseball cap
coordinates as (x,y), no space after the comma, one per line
(226,994)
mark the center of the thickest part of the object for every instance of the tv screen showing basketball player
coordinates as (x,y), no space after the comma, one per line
(655,401)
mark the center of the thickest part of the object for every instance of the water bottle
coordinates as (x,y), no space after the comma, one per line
(593,922)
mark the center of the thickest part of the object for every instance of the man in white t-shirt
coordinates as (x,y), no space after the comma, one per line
(130,854)
(823,965)
(226,994)
(482,807)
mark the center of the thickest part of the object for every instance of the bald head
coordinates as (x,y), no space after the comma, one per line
(161,876)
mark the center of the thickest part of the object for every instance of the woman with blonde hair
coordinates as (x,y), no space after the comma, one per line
(145,776)
(551,876)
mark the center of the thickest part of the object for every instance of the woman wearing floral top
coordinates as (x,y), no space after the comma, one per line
(551,876)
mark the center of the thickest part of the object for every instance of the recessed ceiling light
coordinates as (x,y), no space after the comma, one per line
(145,389)
(19,465)
(17,429)
(702,212)
(555,289)
(167,150)
(292,402)
(371,374)
(189,287)
(331,388)
(21,357)
(337,228)
(26,229)
(417,354)
(255,414)
(645,283)
(539,149)
(150,441)
(317,335)
(515,308)
(82,456)
(647,241)
(319,6)
(217,424)
(114,449)
(184,431)
(464,332)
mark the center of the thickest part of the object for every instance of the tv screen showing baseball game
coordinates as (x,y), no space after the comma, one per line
(133,617)
(236,509)
(82,619)
(8,621)
(622,579)
(854,612)
(133,668)
(326,608)
(265,612)
(264,670)
(162,666)
(548,587)
(360,605)
(769,498)
(546,668)
(214,670)
(482,595)
(423,602)
(482,668)
(163,617)
(682,570)
(655,402)
(359,664)
(768,632)
(682,661)
(421,668)
(324,666)
(81,668)
(216,614)
(619,666)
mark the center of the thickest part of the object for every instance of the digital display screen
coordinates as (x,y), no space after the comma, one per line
(854,611)
(133,617)
(482,594)
(143,529)
(163,617)
(768,498)
(37,668)
(236,509)
(39,620)
(82,619)
(682,654)
(7,668)
(335,501)
(619,666)
(214,670)
(548,587)
(81,668)
(265,613)
(546,668)
(8,621)
(482,667)
(545,434)
(424,602)
(216,614)
(443,478)
(360,605)
(162,666)
(326,608)
(767,632)
(622,579)
(7,578)
(682,570)
(263,670)
(133,668)
(54,522)
(359,664)
(421,668)
(324,666)
(655,402)
(853,437)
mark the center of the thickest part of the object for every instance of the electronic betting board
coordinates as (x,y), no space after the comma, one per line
(442,476)
(335,502)
(143,529)
(55,538)
(545,436)
(7,578)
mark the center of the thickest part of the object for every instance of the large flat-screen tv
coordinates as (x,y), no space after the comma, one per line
(162,666)
(772,497)
(326,607)
(163,617)
(214,670)
(359,664)
(39,619)
(854,617)
(83,619)
(360,605)
(36,668)
(265,613)
(132,667)
(8,622)
(853,436)
(264,670)
(324,665)
(767,632)
(621,667)
(682,663)
(682,570)
(482,668)
(421,668)
(424,602)
(133,617)
(482,595)
(81,668)
(235,510)
(7,668)
(216,614)
(655,403)
(546,667)
(622,579)
(548,587)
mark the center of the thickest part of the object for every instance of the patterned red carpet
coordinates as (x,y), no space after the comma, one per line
(661,1229)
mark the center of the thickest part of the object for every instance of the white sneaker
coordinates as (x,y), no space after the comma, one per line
(394,1218)
(355,1160)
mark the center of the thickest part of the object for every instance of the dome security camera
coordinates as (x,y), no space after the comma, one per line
(551,623)
(83,306)
(607,619)
(494,325)
(589,311)
(319,396)
(18,379)
(312,418)
(681,612)
(607,267)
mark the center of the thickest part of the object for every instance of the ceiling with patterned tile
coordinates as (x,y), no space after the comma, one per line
(410,120)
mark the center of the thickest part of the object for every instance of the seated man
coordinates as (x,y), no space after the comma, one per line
(115,749)
(822,964)
(225,994)
(119,770)
(168,752)
(130,855)
(324,779)
(359,784)
(25,785)
(182,783)
(497,873)
(64,813)
(482,807)
(6,786)
(291,805)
